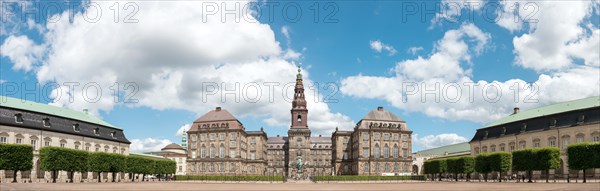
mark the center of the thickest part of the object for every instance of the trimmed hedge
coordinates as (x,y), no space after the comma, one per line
(229,178)
(461,165)
(16,157)
(58,158)
(500,162)
(436,166)
(536,159)
(583,156)
(368,178)
(482,164)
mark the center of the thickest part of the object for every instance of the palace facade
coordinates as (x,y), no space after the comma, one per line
(218,144)
(41,125)
(555,125)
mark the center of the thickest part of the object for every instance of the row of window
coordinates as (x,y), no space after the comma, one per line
(212,153)
(387,168)
(386,137)
(218,167)
(76,128)
(48,142)
(536,143)
(386,152)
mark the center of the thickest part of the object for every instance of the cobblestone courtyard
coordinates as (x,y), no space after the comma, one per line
(303,186)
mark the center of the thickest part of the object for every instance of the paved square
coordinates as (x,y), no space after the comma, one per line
(301,187)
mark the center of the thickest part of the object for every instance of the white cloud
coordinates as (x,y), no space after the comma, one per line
(22,52)
(458,97)
(433,141)
(147,145)
(556,41)
(449,52)
(379,47)
(414,50)
(182,129)
(171,57)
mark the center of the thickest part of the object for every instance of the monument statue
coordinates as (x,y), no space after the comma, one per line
(299,164)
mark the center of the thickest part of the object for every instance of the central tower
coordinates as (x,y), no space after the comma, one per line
(298,134)
(299,111)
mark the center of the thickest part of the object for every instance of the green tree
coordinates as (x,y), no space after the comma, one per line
(524,160)
(500,162)
(16,157)
(583,156)
(482,165)
(453,166)
(117,163)
(439,166)
(135,165)
(56,158)
(466,166)
(547,158)
(99,163)
(429,169)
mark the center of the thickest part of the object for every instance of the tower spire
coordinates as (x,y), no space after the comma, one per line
(299,111)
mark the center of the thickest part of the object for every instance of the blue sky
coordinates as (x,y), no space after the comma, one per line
(360,52)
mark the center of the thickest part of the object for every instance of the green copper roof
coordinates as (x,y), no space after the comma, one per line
(455,148)
(147,155)
(22,104)
(549,110)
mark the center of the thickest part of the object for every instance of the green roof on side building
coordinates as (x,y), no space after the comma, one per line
(549,110)
(454,148)
(22,104)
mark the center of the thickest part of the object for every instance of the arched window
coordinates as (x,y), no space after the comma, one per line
(222,151)
(232,167)
(595,137)
(502,147)
(299,119)
(565,141)
(376,151)
(511,146)
(522,144)
(203,151)
(536,143)
(580,138)
(396,151)
(396,167)
(484,149)
(3,137)
(213,151)
(476,150)
(386,151)
(387,167)
(552,141)
(493,148)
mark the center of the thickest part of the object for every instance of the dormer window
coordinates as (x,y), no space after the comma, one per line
(19,118)
(503,130)
(46,122)
(524,127)
(96,131)
(581,119)
(76,127)
(553,123)
(113,134)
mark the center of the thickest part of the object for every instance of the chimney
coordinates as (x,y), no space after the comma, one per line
(516,110)
(379,108)
(218,109)
(319,135)
(277,135)
(85,111)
